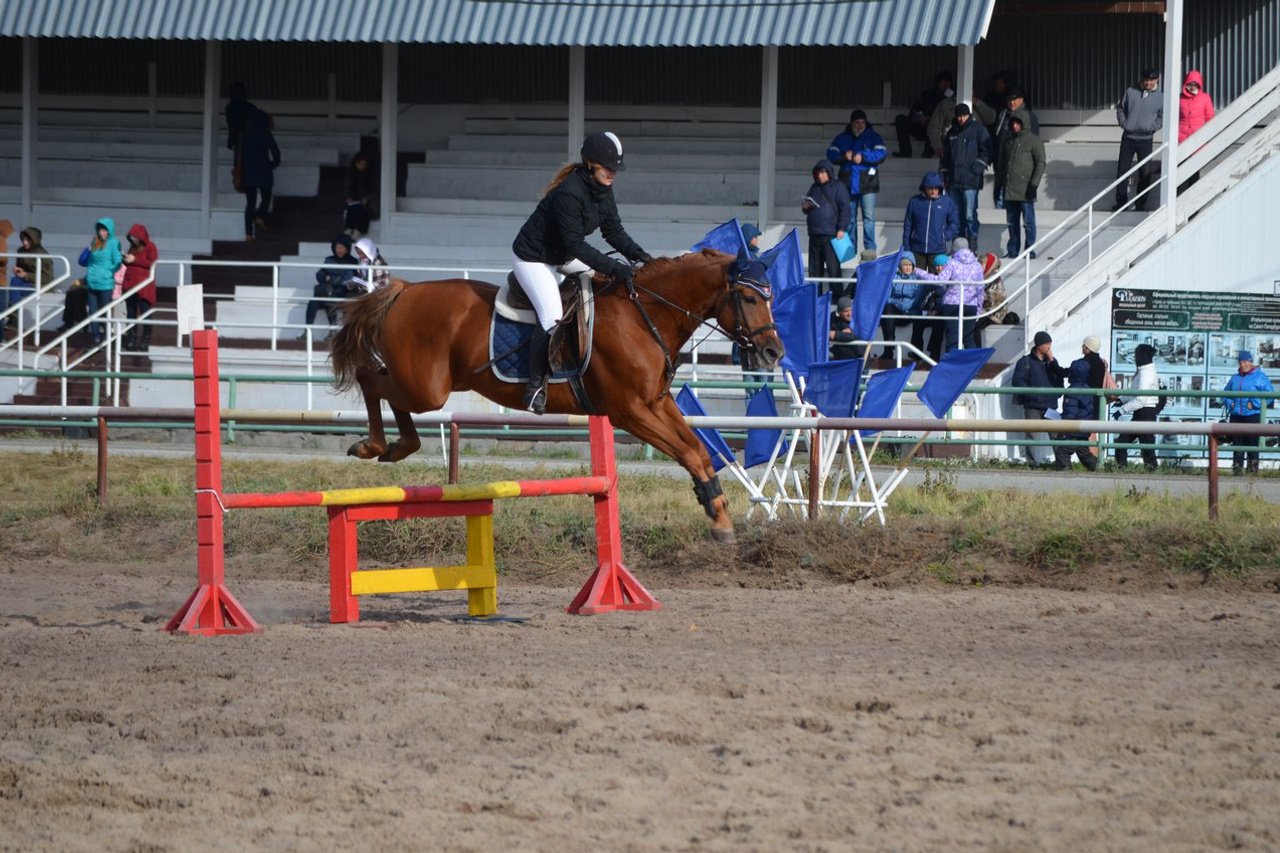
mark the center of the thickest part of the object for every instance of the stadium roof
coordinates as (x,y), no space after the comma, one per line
(589,23)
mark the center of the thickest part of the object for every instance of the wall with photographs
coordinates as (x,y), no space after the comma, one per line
(1197,336)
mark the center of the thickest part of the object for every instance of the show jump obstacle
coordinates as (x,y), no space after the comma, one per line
(212,609)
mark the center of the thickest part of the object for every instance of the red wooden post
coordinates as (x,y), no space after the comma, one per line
(343,556)
(211,609)
(611,586)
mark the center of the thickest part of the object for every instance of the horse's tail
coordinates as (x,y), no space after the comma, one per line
(358,342)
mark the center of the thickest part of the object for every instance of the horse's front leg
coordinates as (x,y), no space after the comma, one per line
(407,443)
(371,384)
(664,428)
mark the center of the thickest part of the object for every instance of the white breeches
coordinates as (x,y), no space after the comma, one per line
(542,286)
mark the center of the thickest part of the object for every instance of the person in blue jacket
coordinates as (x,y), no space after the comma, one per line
(100,272)
(1246,410)
(966,154)
(932,221)
(857,152)
(826,211)
(1077,407)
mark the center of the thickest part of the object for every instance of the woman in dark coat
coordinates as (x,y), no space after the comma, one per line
(578,201)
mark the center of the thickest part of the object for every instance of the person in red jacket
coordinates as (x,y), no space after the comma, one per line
(1195,107)
(138,261)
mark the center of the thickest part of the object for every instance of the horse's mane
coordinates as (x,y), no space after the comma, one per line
(659,267)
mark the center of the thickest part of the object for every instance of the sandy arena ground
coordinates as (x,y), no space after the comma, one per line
(833,718)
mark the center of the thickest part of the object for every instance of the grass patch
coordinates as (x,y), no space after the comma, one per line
(937,533)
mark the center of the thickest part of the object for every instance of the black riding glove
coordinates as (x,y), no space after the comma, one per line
(1031,193)
(643,257)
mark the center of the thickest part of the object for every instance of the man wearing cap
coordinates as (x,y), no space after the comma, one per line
(841,334)
(916,124)
(1246,410)
(966,153)
(1037,369)
(1022,165)
(1140,113)
(1001,132)
(857,151)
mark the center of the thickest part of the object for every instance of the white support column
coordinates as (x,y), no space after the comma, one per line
(964,74)
(577,99)
(209,134)
(768,132)
(389,135)
(30,118)
(1172,87)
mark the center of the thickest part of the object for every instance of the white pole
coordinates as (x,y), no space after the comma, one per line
(1172,88)
(768,132)
(209,135)
(389,135)
(577,100)
(30,117)
(964,75)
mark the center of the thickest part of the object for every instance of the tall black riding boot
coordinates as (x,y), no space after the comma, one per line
(535,393)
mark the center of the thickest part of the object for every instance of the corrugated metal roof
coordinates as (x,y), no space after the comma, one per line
(591,23)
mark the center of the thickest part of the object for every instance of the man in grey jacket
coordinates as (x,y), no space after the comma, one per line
(1140,113)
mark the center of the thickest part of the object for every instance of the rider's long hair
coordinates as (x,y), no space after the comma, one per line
(565,171)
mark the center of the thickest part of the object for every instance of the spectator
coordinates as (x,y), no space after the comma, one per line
(1140,113)
(138,264)
(104,259)
(1246,410)
(32,273)
(827,211)
(6,231)
(858,151)
(966,153)
(841,334)
(916,123)
(931,221)
(906,297)
(1143,407)
(962,266)
(333,282)
(940,122)
(995,307)
(259,156)
(238,111)
(1023,165)
(987,109)
(374,274)
(1077,407)
(359,197)
(1037,369)
(751,234)
(1195,107)
(1002,133)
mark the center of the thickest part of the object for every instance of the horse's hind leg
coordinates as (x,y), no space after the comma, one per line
(407,443)
(376,385)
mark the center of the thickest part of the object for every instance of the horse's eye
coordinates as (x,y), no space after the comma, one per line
(750,300)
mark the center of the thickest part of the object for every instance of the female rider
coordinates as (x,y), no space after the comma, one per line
(576,202)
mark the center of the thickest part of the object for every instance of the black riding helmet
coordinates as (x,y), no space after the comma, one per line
(604,148)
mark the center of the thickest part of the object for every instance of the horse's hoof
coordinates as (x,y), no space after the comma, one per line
(361,450)
(724,537)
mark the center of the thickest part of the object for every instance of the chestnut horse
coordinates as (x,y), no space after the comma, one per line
(414,344)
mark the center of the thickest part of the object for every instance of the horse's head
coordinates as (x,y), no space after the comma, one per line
(746,314)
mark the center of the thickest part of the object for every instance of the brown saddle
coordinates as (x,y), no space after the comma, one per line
(571,339)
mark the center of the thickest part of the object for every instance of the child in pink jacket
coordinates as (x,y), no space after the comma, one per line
(1195,107)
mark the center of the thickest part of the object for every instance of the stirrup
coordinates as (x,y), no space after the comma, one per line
(536,402)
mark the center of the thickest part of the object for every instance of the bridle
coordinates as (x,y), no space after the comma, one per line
(743,336)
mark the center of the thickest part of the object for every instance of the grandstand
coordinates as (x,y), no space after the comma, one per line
(469,168)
